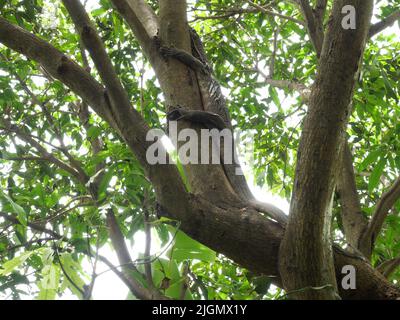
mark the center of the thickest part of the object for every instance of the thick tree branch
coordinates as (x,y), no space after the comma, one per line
(142,20)
(305,255)
(385,23)
(354,222)
(119,101)
(314,26)
(122,110)
(320,9)
(56,64)
(82,111)
(179,85)
(133,129)
(253,241)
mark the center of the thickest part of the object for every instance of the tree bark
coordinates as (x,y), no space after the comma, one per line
(306,257)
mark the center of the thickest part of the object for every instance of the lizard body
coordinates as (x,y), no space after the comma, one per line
(214,115)
(213,102)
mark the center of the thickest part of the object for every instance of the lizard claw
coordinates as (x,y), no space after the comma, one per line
(166,51)
(157,41)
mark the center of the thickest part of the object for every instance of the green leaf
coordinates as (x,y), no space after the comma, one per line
(262,284)
(187,248)
(50,282)
(371,158)
(72,268)
(14,263)
(376,174)
(18,210)
(98,12)
(105,181)
(275,97)
(388,86)
(94,132)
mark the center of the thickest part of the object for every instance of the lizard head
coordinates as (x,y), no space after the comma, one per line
(174,114)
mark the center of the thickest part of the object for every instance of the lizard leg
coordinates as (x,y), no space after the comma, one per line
(185,58)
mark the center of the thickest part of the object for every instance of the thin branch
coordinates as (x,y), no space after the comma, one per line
(81,291)
(63,212)
(80,176)
(118,96)
(229,14)
(130,124)
(57,64)
(272,13)
(273,55)
(73,162)
(26,158)
(302,89)
(385,23)
(315,29)
(89,291)
(387,268)
(29,243)
(185,280)
(31,225)
(149,259)
(223,14)
(383,207)
(124,257)
(129,282)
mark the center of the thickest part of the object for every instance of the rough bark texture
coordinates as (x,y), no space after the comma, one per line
(306,257)
(354,222)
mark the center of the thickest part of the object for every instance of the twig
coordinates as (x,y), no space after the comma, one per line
(32,225)
(81,291)
(185,284)
(387,268)
(272,13)
(385,23)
